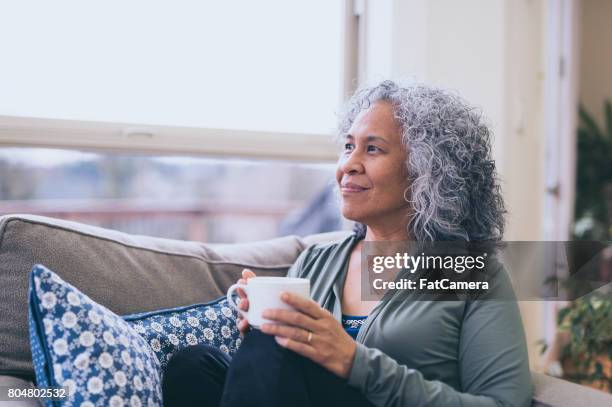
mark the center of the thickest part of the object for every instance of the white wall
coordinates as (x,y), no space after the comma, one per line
(491,52)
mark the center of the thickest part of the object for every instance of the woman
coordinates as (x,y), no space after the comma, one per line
(416,165)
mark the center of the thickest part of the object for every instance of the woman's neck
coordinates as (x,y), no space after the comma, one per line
(394,233)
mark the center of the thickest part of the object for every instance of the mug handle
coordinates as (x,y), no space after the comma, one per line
(230,298)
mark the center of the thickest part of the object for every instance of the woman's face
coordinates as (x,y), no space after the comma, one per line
(371,172)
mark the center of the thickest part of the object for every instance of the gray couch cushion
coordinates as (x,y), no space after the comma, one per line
(123,272)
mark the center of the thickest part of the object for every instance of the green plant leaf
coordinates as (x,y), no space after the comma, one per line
(562,314)
(608,114)
(587,120)
(599,370)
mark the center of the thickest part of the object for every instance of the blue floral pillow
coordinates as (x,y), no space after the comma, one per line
(79,344)
(167,331)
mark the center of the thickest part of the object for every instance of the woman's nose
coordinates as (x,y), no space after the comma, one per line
(352,164)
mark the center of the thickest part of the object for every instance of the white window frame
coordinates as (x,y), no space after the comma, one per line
(130,138)
(563,63)
(155,139)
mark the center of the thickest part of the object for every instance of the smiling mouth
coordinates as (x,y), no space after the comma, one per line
(351,189)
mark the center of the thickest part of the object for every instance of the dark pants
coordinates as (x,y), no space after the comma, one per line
(262,373)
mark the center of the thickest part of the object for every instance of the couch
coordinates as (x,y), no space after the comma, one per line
(132,273)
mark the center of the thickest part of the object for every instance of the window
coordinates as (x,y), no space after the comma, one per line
(152,74)
(202,199)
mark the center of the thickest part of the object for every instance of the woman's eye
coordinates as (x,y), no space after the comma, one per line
(348,147)
(373,149)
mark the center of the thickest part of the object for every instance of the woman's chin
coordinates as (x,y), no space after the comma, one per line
(353,214)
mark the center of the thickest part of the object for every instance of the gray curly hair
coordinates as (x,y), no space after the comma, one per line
(454,189)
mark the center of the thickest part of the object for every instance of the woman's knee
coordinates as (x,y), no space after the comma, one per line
(195,376)
(192,359)
(259,351)
(263,373)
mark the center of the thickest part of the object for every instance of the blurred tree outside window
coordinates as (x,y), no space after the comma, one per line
(205,199)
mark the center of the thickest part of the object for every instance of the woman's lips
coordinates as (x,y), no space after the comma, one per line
(351,188)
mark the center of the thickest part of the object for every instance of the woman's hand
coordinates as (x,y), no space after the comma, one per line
(243,304)
(312,332)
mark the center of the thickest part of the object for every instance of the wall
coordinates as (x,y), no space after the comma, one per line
(491,52)
(596,56)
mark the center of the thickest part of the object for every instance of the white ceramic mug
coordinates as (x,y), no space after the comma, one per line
(264,293)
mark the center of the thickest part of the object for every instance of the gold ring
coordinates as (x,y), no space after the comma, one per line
(309,336)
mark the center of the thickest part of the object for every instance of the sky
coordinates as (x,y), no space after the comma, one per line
(266,65)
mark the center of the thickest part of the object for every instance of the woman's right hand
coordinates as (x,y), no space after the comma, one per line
(243,323)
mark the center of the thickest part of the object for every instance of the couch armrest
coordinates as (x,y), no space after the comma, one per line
(550,391)
(15,382)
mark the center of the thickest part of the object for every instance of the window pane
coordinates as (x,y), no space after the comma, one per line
(269,65)
(201,199)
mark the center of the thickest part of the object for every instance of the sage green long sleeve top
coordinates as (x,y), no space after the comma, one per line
(427,353)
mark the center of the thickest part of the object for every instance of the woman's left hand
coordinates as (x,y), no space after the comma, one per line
(312,332)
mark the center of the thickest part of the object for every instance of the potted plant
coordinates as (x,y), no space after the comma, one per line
(587,355)
(585,324)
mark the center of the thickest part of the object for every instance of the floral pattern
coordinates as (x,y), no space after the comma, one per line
(167,331)
(84,346)
(352,324)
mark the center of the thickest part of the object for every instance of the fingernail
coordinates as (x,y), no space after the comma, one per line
(280,341)
(284,296)
(265,314)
